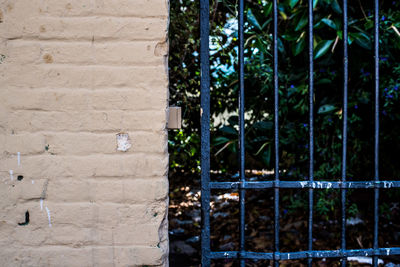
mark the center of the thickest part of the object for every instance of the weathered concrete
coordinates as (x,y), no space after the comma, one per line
(75,76)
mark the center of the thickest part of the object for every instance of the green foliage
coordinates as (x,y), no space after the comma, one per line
(293,87)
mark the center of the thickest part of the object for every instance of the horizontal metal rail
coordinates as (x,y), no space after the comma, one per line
(305,184)
(305,254)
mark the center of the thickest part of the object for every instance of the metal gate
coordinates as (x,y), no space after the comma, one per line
(242,185)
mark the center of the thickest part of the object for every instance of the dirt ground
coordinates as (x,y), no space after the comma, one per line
(185,224)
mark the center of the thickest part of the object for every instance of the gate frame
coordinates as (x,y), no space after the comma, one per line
(242,185)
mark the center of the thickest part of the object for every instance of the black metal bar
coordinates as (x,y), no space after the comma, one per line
(306,254)
(205,132)
(242,192)
(344,145)
(376,156)
(307,184)
(276,130)
(311,122)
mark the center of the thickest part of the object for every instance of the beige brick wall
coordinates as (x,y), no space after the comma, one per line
(73,75)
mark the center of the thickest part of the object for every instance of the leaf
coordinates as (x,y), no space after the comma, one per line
(220,140)
(315,2)
(281,47)
(299,47)
(252,19)
(318,25)
(362,39)
(283,14)
(292,3)
(326,108)
(233,120)
(261,148)
(263,125)
(336,7)
(322,48)
(268,21)
(329,23)
(369,24)
(302,23)
(228,130)
(268,9)
(324,81)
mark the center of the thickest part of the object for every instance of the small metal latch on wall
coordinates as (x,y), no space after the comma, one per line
(174,118)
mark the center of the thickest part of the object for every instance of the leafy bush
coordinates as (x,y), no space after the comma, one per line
(293,87)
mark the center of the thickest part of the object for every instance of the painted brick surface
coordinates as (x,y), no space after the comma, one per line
(74,74)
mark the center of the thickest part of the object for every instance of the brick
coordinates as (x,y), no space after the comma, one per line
(55,167)
(26,144)
(84,28)
(56,256)
(126,191)
(99,216)
(142,8)
(81,257)
(89,77)
(79,99)
(65,8)
(139,256)
(138,234)
(96,121)
(89,143)
(86,52)
(138,8)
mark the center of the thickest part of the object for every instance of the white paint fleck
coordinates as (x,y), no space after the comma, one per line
(41,204)
(329,185)
(12,175)
(123,142)
(387,184)
(19,158)
(303,184)
(33,182)
(387,251)
(366,260)
(288,256)
(48,216)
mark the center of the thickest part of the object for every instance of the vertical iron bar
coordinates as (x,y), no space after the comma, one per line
(376,157)
(311,103)
(344,145)
(205,132)
(276,131)
(242,192)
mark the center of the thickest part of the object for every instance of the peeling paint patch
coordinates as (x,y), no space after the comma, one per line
(41,204)
(19,158)
(48,216)
(12,175)
(123,142)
